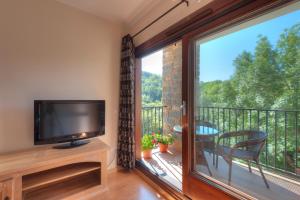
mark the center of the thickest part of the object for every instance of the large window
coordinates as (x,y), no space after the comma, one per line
(247,106)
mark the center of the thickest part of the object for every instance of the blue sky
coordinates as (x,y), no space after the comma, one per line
(217,55)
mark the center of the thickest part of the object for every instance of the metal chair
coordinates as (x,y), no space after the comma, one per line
(247,150)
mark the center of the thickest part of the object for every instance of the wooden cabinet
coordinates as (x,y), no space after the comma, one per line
(6,188)
(45,173)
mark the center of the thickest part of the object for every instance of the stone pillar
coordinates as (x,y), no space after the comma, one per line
(171,86)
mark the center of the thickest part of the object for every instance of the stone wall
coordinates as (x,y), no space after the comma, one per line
(171,91)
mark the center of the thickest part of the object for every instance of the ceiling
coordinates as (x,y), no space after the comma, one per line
(115,10)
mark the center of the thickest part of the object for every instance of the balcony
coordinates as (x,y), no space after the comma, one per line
(279,157)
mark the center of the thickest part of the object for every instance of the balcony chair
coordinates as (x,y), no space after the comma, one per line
(248,150)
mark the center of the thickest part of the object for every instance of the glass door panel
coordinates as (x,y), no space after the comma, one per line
(161,86)
(246,102)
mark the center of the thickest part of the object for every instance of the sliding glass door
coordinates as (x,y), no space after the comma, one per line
(241,130)
(160,113)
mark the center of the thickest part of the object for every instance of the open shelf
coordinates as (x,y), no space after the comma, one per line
(65,189)
(56,175)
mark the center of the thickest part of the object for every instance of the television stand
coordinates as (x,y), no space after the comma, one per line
(45,173)
(72,144)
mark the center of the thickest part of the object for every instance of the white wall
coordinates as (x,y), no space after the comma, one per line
(52,51)
(168,20)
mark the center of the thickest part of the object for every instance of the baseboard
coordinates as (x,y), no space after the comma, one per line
(112,170)
(115,169)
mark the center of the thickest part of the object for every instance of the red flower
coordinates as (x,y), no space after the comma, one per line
(153,141)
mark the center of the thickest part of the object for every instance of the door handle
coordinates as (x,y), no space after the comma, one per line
(183,108)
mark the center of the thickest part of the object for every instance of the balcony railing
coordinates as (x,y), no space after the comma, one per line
(152,118)
(282,150)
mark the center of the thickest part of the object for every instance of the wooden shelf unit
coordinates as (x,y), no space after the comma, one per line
(47,173)
(65,189)
(51,176)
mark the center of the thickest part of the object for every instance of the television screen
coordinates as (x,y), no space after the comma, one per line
(64,121)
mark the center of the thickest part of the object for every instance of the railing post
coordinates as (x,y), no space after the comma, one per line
(267,131)
(229,120)
(250,119)
(258,120)
(143,124)
(218,118)
(162,120)
(275,138)
(285,138)
(296,159)
(155,119)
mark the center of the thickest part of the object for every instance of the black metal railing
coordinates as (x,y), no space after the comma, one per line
(152,119)
(282,149)
(282,126)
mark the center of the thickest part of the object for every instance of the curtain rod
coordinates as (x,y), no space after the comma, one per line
(161,16)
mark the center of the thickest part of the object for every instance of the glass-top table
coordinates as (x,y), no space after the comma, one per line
(205,136)
(200,130)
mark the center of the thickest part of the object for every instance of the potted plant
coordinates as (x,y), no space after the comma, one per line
(148,143)
(164,141)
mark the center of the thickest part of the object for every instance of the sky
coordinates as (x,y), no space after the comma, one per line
(217,55)
(153,63)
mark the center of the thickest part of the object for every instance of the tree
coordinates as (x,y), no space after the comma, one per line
(288,57)
(228,94)
(210,93)
(151,89)
(242,80)
(267,79)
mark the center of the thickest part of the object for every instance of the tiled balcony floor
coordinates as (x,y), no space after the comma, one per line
(166,165)
(169,167)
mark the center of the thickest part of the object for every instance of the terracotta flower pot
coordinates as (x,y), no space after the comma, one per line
(147,154)
(163,147)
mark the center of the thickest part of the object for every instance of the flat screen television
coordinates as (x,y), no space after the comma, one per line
(60,121)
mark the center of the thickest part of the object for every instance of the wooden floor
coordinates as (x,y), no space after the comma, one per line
(125,185)
(168,167)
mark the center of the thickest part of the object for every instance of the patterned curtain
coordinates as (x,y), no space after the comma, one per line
(126,141)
